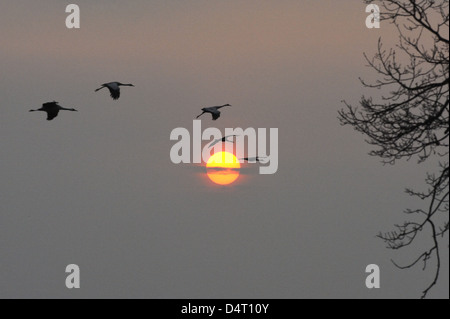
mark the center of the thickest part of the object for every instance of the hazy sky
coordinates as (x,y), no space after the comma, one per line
(97,188)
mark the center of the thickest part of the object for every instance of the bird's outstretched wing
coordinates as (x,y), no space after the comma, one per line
(214,143)
(115,94)
(50,104)
(51,114)
(215,115)
(226,138)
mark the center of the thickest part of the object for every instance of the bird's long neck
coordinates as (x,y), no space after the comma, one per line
(66,109)
(219,107)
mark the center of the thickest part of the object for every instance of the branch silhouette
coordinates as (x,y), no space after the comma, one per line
(411,120)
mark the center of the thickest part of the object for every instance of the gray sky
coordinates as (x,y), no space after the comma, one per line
(97,188)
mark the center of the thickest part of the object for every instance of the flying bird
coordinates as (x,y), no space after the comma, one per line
(213,110)
(52,109)
(114,88)
(223,140)
(253,159)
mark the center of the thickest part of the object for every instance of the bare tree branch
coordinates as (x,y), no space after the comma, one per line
(412,119)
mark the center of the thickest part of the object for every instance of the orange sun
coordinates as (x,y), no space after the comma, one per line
(223,168)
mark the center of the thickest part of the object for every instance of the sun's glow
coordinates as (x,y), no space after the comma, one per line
(223,168)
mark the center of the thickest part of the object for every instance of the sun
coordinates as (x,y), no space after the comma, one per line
(223,168)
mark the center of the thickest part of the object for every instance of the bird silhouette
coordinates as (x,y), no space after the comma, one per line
(114,88)
(253,159)
(52,109)
(213,110)
(224,140)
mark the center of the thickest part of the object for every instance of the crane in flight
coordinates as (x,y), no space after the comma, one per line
(52,109)
(213,110)
(114,88)
(254,159)
(223,140)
